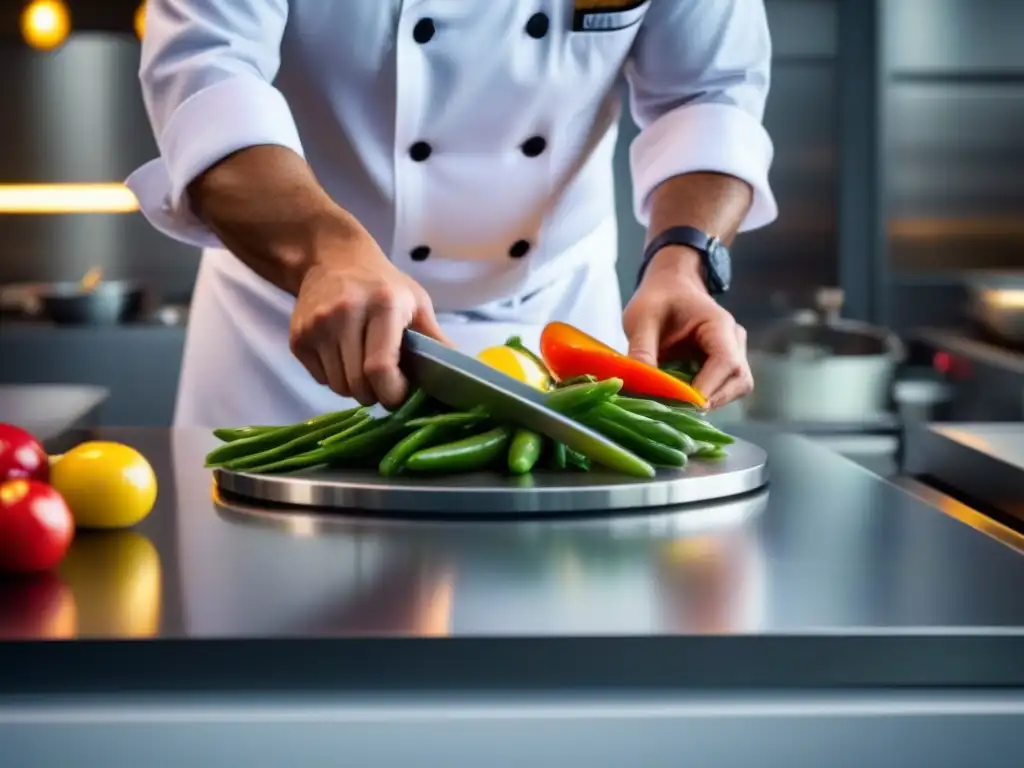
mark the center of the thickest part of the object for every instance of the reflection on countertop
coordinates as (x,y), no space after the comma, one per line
(830,560)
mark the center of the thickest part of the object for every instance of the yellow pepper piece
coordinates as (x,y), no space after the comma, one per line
(517,365)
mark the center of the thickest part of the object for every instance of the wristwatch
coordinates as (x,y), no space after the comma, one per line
(714,256)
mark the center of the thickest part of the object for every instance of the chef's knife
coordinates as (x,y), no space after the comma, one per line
(463,382)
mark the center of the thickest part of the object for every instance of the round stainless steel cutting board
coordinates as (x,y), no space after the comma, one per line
(489,493)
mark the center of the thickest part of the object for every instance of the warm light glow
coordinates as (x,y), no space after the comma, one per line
(140,20)
(67,198)
(1006,298)
(45,24)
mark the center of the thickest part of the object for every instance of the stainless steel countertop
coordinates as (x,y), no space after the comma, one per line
(834,577)
(980,463)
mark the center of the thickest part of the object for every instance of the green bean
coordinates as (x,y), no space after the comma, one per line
(298,446)
(524,451)
(516,343)
(425,437)
(407,411)
(307,460)
(458,418)
(584,379)
(709,452)
(467,455)
(377,439)
(642,425)
(248,446)
(578,398)
(556,456)
(648,449)
(230,434)
(577,459)
(678,418)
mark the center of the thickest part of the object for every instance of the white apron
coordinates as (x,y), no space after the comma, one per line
(238,370)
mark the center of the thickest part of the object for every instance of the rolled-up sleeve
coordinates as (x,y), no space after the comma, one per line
(207,72)
(698,76)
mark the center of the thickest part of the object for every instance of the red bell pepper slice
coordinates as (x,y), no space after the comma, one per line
(569,352)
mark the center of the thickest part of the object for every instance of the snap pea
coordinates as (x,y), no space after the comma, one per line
(557,455)
(577,459)
(467,455)
(299,445)
(649,449)
(230,434)
(459,418)
(427,436)
(524,451)
(679,418)
(248,446)
(642,425)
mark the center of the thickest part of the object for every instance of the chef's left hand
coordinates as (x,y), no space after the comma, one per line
(672,310)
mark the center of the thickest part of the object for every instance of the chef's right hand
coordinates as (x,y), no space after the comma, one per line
(350,311)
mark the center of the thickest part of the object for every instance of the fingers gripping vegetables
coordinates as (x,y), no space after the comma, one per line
(568,352)
(423,437)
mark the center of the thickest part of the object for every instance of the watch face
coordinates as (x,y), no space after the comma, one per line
(719,266)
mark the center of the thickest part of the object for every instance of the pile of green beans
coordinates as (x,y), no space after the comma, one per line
(425,437)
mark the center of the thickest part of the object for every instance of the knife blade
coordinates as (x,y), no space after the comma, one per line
(463,382)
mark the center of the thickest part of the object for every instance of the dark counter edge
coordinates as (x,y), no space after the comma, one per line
(514,664)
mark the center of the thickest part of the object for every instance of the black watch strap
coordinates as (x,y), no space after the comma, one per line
(700,241)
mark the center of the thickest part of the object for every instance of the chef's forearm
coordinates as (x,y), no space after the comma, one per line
(712,202)
(266,206)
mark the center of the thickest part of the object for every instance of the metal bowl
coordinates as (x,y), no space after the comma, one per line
(69,303)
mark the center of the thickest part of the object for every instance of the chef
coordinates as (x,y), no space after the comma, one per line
(356,168)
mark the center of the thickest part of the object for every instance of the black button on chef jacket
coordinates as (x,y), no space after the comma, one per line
(420,151)
(519,249)
(538,25)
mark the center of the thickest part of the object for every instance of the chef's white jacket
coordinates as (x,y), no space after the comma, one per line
(473,139)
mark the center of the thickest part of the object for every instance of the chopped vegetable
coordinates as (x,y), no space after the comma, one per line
(524,451)
(569,352)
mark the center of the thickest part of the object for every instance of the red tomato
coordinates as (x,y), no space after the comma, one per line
(21,455)
(36,526)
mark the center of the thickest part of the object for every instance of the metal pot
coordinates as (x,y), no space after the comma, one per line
(816,367)
(106,302)
(997,301)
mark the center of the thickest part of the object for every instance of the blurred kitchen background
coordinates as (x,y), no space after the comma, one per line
(899,172)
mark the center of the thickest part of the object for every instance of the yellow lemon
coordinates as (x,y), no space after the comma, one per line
(517,365)
(106,485)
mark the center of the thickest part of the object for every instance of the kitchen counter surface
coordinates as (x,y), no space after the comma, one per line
(981,464)
(831,577)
